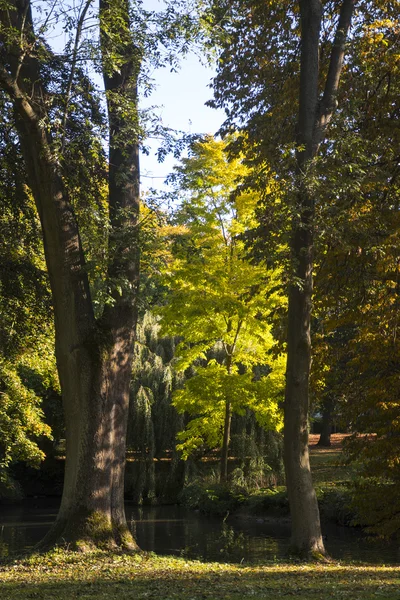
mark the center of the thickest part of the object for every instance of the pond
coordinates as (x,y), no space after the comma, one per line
(176,530)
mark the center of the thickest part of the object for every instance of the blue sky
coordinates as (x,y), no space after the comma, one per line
(181,98)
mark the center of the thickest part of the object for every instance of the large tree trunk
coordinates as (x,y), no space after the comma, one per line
(306,529)
(94,358)
(314,116)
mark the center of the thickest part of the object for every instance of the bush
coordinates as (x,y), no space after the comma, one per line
(377,504)
(10,490)
(212,498)
(335,505)
(269,501)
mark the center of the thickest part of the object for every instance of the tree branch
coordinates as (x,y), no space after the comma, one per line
(328,102)
(10,86)
(78,35)
(310,20)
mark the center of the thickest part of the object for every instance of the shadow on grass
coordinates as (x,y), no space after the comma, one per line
(165,579)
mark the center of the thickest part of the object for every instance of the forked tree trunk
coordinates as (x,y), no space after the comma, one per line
(94,358)
(314,117)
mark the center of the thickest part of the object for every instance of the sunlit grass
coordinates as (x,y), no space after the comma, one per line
(65,575)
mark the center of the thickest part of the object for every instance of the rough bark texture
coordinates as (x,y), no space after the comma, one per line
(314,116)
(93,358)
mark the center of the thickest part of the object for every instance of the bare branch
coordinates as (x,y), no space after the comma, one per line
(73,67)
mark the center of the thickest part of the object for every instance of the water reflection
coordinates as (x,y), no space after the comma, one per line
(175,530)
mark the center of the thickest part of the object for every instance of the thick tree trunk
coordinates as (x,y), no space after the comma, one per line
(94,366)
(95,404)
(306,529)
(314,117)
(93,358)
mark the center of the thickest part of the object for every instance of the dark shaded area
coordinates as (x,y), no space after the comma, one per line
(174,530)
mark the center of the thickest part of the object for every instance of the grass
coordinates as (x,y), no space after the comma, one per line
(327,467)
(62,575)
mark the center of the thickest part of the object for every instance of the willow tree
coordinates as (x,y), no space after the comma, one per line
(94,352)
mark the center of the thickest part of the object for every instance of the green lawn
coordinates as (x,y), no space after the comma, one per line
(105,576)
(61,575)
(328,469)
(327,466)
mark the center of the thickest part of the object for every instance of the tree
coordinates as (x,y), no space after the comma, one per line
(285,103)
(94,355)
(153,421)
(26,332)
(219,304)
(357,350)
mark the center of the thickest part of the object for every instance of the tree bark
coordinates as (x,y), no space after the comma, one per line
(225,443)
(326,423)
(226,436)
(93,357)
(313,119)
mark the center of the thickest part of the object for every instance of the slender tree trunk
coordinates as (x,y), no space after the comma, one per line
(225,442)
(314,117)
(94,358)
(226,436)
(306,530)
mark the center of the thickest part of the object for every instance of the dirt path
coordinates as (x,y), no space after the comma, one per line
(336,442)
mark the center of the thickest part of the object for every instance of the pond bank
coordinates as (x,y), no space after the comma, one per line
(174,530)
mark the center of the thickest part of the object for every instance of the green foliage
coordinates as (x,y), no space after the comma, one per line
(206,394)
(27,363)
(21,420)
(258,454)
(25,302)
(336,505)
(270,502)
(213,498)
(153,422)
(220,303)
(357,350)
(10,491)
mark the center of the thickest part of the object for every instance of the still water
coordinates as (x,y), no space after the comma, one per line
(176,530)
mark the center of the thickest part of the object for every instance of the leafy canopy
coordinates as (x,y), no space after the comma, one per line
(219,302)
